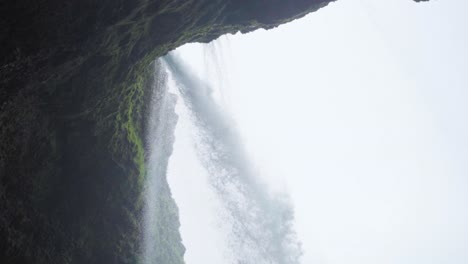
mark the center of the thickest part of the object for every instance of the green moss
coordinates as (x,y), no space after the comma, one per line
(131,112)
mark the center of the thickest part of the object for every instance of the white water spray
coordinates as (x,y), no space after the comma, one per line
(161,123)
(260,222)
(213,57)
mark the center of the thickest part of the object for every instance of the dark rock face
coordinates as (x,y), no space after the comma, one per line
(74,80)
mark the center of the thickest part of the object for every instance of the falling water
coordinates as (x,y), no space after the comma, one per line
(214,56)
(260,222)
(161,123)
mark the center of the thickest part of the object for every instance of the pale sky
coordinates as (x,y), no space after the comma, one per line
(357,111)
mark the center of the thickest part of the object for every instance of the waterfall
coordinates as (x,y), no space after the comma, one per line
(260,222)
(160,129)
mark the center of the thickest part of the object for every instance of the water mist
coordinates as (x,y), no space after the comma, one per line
(260,222)
(160,137)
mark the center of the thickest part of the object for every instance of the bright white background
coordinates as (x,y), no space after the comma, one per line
(359,112)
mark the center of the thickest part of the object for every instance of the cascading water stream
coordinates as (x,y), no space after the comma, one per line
(160,129)
(260,223)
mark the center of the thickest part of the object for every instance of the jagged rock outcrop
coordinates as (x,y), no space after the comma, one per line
(74,77)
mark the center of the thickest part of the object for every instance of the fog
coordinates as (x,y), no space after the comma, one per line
(259,222)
